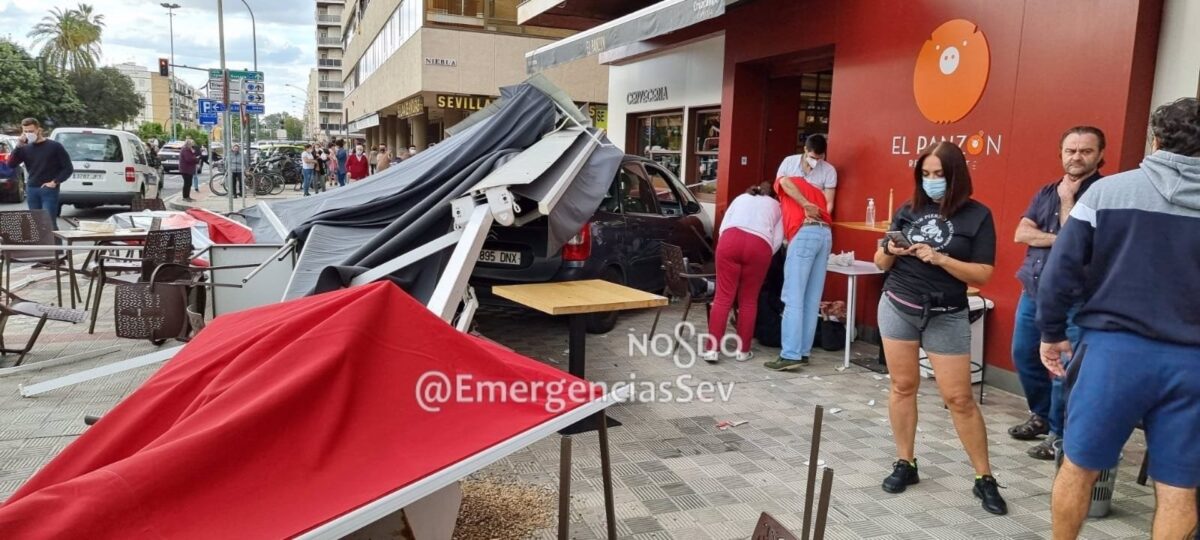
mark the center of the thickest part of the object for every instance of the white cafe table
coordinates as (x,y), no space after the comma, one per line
(859,268)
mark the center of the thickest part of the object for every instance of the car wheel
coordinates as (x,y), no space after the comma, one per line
(603,323)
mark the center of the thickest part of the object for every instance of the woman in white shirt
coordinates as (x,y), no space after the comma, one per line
(751,232)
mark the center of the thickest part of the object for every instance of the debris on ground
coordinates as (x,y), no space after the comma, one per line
(726,424)
(841,368)
(835,410)
(493,508)
(871,403)
(815,378)
(820,463)
(878,377)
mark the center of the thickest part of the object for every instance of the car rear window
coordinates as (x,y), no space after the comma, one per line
(92,147)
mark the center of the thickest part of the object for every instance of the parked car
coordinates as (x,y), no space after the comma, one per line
(646,206)
(168,155)
(12,189)
(111,167)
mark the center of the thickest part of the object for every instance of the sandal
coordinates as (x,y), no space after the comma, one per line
(1031,429)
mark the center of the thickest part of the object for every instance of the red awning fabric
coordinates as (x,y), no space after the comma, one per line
(221,229)
(277,419)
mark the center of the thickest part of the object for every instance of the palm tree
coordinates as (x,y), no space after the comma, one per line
(70,39)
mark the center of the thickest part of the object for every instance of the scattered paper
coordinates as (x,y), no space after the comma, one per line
(842,368)
(835,410)
(878,377)
(726,424)
(816,378)
(871,403)
(820,463)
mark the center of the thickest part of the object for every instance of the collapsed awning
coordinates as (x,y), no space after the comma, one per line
(661,18)
(276,420)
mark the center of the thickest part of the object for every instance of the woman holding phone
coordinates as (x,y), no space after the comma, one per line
(952,243)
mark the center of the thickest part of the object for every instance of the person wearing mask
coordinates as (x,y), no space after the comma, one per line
(383,160)
(1128,253)
(333,165)
(321,174)
(412,151)
(341,156)
(945,241)
(357,166)
(236,167)
(308,167)
(807,224)
(1081,150)
(811,166)
(189,158)
(47,166)
(751,232)
(374,157)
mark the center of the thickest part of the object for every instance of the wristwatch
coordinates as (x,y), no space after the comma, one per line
(883,243)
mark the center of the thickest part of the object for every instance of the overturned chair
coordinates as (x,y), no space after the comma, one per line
(12,305)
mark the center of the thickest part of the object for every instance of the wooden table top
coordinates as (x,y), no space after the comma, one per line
(576,297)
(879,226)
(90,236)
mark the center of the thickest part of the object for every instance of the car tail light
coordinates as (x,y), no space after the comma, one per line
(579,247)
(130,176)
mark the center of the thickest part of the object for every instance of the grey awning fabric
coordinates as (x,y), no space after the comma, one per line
(661,18)
(348,230)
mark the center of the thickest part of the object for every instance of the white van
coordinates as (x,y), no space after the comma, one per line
(111,167)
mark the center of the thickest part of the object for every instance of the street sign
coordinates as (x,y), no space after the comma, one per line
(207,111)
(243,86)
(251,108)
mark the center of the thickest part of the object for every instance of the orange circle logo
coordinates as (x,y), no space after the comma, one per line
(951,72)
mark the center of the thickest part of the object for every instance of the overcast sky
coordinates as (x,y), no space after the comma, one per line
(137,31)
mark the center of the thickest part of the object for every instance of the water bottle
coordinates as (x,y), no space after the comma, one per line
(870,212)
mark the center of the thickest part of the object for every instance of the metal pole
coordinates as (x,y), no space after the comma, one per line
(225,135)
(171,91)
(254,44)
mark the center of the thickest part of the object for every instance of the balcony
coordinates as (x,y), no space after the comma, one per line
(327,41)
(329,64)
(332,106)
(333,128)
(331,85)
(329,20)
(471,12)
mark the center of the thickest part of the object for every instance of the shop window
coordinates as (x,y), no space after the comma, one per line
(660,138)
(816,91)
(707,137)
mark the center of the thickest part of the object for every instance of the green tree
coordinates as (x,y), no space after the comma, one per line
(152,130)
(293,125)
(27,89)
(198,135)
(69,39)
(108,95)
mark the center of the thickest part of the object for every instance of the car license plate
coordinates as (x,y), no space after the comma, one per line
(494,256)
(87,176)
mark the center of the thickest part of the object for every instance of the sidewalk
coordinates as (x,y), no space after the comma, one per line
(207,200)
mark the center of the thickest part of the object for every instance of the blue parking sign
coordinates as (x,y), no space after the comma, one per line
(207,111)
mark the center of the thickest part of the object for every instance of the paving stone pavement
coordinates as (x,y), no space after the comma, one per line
(676,476)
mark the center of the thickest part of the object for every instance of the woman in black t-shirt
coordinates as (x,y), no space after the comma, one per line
(951,242)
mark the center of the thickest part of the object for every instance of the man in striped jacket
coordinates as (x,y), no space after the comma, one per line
(1131,252)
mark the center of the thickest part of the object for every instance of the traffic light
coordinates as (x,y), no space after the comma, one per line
(164,67)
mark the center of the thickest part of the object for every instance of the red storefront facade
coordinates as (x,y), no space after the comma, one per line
(1049,65)
(1052,65)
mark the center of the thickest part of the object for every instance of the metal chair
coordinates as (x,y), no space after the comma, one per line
(30,228)
(678,275)
(139,204)
(172,246)
(12,305)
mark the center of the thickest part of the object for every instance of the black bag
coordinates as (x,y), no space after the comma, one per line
(831,335)
(769,323)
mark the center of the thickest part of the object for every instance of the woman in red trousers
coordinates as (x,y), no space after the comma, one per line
(751,232)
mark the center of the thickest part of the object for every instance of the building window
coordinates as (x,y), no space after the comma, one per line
(403,23)
(660,138)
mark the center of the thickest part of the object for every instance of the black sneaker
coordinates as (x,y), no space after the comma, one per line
(1031,429)
(988,491)
(904,474)
(804,360)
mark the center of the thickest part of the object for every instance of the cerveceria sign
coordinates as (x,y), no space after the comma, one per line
(411,107)
(464,103)
(646,96)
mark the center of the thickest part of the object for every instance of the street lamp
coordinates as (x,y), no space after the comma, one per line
(171,92)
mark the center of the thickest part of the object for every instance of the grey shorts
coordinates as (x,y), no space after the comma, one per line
(948,334)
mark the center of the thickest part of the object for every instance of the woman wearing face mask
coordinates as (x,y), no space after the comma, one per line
(357,165)
(924,304)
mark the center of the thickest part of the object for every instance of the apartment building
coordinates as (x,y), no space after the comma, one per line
(328,116)
(184,102)
(141,84)
(411,69)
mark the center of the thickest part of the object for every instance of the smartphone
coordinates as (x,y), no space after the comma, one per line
(899,239)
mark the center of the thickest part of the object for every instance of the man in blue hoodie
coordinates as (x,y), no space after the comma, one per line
(1130,251)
